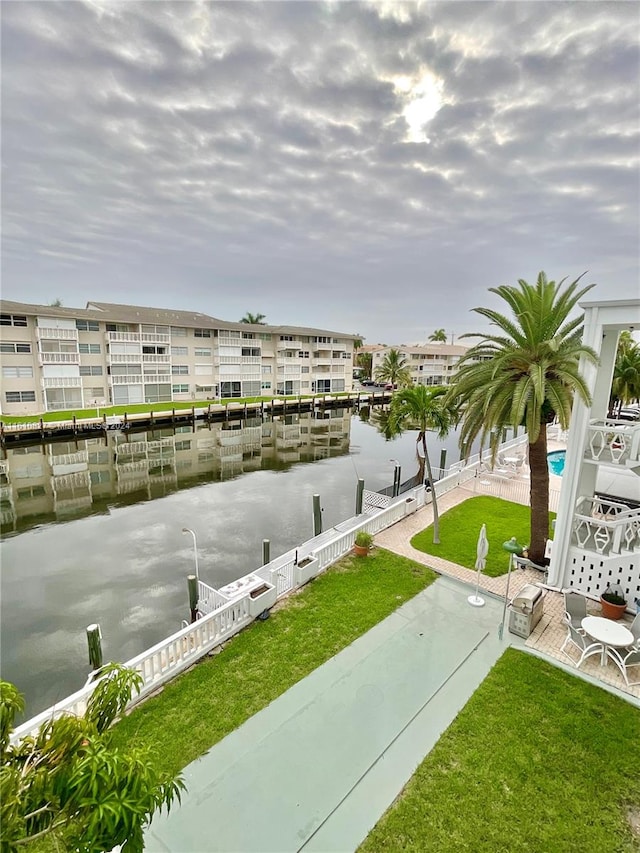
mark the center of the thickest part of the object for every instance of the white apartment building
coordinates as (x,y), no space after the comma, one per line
(108,354)
(430,364)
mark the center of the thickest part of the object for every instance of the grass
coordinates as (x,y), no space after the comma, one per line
(460,528)
(202,706)
(537,760)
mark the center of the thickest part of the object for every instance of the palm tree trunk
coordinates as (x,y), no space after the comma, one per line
(539,496)
(434,502)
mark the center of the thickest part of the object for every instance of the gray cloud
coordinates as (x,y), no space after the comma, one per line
(239,156)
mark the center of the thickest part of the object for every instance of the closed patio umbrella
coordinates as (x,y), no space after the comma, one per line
(481,560)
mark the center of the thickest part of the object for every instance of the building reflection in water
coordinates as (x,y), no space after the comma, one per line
(45,483)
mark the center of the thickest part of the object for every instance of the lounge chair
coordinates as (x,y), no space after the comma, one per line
(575,609)
(585,646)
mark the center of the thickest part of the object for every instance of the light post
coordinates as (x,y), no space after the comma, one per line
(195,548)
(396,478)
(512,547)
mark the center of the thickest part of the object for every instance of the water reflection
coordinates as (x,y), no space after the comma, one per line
(93,529)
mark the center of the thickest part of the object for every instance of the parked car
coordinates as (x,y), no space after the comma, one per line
(628,414)
(367,383)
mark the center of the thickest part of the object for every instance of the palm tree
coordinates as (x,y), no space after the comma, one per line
(439,336)
(254,319)
(422,408)
(527,374)
(394,369)
(625,387)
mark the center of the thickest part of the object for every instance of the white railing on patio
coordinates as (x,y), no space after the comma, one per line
(613,442)
(605,527)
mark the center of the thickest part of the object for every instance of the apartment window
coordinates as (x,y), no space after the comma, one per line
(99,457)
(248,336)
(30,492)
(93,349)
(6,347)
(177,332)
(206,351)
(13,320)
(157,393)
(87,326)
(179,350)
(17,372)
(346,355)
(180,369)
(202,333)
(95,393)
(183,445)
(151,329)
(154,350)
(303,353)
(305,368)
(264,336)
(91,370)
(20,396)
(100,477)
(205,457)
(180,389)
(121,370)
(250,351)
(266,386)
(321,340)
(118,327)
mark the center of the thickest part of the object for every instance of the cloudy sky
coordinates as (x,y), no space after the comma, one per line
(362,167)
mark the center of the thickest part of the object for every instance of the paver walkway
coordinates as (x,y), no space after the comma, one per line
(316,769)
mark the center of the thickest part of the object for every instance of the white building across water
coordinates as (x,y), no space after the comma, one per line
(66,358)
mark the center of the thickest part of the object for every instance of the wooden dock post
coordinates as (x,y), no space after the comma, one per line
(94,640)
(317,516)
(443,460)
(359,496)
(266,552)
(192,585)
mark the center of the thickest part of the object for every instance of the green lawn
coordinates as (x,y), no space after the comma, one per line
(219,694)
(538,761)
(460,528)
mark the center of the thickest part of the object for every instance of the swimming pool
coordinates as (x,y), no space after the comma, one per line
(555,461)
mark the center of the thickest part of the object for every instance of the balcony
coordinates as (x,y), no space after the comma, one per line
(613,442)
(120,358)
(285,345)
(137,338)
(62,382)
(80,457)
(42,333)
(59,358)
(155,358)
(127,379)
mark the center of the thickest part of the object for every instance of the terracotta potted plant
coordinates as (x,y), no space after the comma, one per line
(362,543)
(613,602)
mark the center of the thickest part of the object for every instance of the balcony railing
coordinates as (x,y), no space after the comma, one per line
(127,379)
(122,358)
(155,358)
(62,381)
(606,527)
(60,358)
(43,332)
(135,337)
(297,345)
(70,458)
(613,442)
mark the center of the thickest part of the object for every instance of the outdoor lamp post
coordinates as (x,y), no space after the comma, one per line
(195,548)
(513,547)
(396,478)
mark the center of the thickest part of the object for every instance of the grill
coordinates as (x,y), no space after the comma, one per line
(525,610)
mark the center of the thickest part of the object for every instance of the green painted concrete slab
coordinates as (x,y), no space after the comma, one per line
(317,767)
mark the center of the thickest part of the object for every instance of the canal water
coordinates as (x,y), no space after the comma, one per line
(92,529)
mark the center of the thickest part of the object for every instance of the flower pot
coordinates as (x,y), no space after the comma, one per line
(262,598)
(410,506)
(612,611)
(305,570)
(360,550)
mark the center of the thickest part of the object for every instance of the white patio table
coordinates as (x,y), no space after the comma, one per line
(612,635)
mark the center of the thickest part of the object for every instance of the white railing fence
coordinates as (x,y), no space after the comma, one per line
(614,442)
(605,526)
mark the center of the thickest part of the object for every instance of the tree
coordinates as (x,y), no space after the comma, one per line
(394,369)
(67,782)
(57,303)
(422,408)
(439,336)
(254,319)
(526,374)
(364,360)
(625,387)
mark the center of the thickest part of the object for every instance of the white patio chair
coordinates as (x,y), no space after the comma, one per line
(635,630)
(575,609)
(631,659)
(584,645)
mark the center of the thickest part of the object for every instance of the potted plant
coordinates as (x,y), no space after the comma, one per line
(306,569)
(613,602)
(362,543)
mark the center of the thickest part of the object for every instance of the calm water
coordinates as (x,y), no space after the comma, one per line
(92,530)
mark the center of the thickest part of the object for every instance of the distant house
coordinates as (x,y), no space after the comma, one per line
(429,363)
